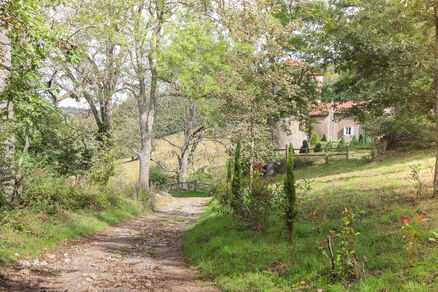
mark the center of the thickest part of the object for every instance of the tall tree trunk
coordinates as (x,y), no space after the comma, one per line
(7,145)
(147,117)
(183,165)
(435,179)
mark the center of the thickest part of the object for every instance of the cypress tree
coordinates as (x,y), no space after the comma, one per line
(237,178)
(290,192)
(229,170)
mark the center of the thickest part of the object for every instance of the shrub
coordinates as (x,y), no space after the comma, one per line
(222,193)
(314,139)
(158,177)
(324,138)
(103,167)
(305,147)
(329,144)
(354,142)
(341,143)
(290,193)
(202,175)
(229,169)
(318,147)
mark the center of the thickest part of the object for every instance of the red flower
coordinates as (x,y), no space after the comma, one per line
(420,216)
(235,216)
(264,183)
(313,213)
(405,220)
(259,166)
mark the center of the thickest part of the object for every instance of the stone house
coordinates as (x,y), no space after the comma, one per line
(327,119)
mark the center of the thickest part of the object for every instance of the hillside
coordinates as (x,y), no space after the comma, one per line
(208,155)
(383,191)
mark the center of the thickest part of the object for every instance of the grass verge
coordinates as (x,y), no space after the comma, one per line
(242,260)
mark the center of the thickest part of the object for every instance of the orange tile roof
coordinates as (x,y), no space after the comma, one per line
(323,108)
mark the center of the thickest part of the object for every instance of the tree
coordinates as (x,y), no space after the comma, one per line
(92,55)
(7,151)
(25,40)
(229,170)
(386,52)
(156,51)
(256,84)
(290,192)
(236,183)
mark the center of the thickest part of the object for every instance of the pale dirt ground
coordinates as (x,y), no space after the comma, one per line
(141,254)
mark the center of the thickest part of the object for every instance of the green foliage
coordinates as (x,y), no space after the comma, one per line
(324,138)
(203,175)
(341,144)
(158,177)
(102,168)
(314,140)
(290,192)
(305,147)
(329,144)
(236,183)
(243,260)
(354,142)
(318,147)
(229,169)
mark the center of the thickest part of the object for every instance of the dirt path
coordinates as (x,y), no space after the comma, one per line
(141,254)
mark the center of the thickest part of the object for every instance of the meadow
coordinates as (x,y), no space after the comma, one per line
(384,191)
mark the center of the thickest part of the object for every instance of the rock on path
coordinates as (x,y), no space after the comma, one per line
(141,254)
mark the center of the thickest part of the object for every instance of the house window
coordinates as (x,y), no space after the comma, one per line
(349,131)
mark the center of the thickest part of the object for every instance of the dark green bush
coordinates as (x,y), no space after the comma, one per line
(318,147)
(305,147)
(324,138)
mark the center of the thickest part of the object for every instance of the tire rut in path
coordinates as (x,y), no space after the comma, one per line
(141,254)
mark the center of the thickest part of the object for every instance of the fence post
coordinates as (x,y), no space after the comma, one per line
(195,187)
(346,151)
(326,154)
(287,153)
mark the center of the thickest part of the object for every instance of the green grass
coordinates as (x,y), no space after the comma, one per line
(28,232)
(192,194)
(249,261)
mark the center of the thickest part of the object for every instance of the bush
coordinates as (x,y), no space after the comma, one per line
(341,144)
(300,162)
(305,147)
(318,147)
(203,175)
(324,138)
(158,177)
(314,139)
(329,144)
(354,142)
(103,167)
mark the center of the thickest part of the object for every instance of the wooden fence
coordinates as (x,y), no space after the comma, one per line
(326,153)
(187,186)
